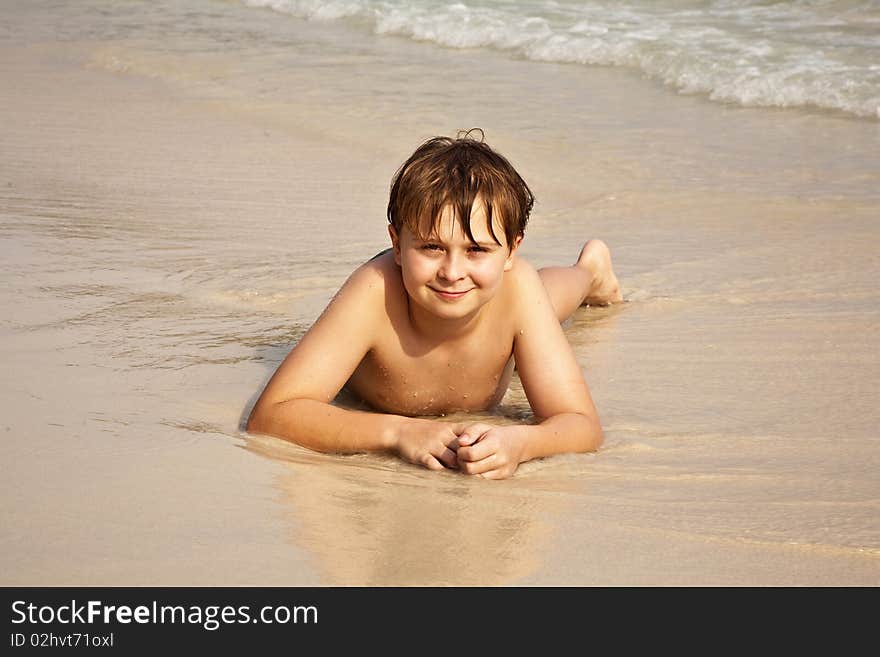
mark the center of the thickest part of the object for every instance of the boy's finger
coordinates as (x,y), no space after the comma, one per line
(479,467)
(472,433)
(465,439)
(431,463)
(477,451)
(448,458)
(468,438)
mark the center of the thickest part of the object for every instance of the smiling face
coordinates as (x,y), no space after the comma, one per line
(448,275)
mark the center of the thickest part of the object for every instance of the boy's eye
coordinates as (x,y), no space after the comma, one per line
(431,246)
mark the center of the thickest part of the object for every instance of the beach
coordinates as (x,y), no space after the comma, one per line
(183,188)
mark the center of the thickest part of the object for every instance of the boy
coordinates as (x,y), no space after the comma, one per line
(436,323)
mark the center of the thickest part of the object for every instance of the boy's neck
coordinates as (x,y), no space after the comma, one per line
(439,330)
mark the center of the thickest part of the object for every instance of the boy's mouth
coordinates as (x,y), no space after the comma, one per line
(449,294)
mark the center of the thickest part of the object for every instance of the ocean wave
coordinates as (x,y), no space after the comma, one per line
(808,53)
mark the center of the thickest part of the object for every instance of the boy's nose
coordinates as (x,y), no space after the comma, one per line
(452,268)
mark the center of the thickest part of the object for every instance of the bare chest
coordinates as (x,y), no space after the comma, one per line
(399,378)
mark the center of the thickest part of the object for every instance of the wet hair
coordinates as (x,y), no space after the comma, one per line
(445,171)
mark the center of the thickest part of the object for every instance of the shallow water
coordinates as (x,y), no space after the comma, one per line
(184,186)
(819,53)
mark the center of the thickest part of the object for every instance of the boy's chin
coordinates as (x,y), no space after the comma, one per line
(457,309)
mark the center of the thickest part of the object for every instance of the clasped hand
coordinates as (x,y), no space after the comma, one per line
(477,448)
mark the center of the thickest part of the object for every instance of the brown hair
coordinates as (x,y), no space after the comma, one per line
(445,171)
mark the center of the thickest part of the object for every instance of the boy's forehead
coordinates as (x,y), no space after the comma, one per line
(447,225)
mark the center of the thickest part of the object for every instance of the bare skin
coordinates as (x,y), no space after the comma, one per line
(435,326)
(590,281)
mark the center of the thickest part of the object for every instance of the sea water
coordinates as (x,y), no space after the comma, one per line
(820,53)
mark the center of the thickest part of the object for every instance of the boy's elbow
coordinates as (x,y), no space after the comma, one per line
(597,439)
(594,436)
(270,417)
(258,420)
(253,422)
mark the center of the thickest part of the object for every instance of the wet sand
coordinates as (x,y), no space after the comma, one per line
(171,222)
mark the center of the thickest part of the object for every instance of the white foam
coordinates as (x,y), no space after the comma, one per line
(820,54)
(313,9)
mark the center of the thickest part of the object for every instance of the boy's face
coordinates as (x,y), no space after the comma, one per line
(448,275)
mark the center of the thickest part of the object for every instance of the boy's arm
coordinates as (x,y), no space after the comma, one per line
(551,377)
(553,383)
(295,404)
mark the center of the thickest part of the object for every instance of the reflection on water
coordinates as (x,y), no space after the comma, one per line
(374,520)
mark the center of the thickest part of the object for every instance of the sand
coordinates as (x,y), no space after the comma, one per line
(172,220)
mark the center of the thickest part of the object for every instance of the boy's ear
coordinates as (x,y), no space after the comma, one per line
(395,243)
(508,264)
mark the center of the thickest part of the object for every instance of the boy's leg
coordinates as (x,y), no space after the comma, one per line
(590,280)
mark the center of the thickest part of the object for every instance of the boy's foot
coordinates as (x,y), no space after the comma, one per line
(595,257)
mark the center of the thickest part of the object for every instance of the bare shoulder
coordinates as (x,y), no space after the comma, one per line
(351,324)
(525,293)
(368,286)
(523,272)
(369,276)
